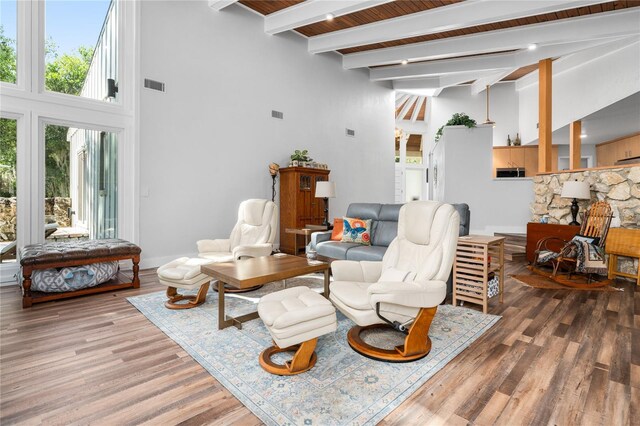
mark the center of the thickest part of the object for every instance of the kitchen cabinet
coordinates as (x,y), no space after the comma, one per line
(608,153)
(523,157)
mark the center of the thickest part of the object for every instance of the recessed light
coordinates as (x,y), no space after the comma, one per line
(532,46)
(404,62)
(329,16)
(582,136)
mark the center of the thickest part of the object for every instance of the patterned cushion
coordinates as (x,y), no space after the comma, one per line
(357,231)
(73,277)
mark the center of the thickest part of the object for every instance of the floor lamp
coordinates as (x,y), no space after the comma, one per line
(326,190)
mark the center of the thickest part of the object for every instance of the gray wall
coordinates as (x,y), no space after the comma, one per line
(207,141)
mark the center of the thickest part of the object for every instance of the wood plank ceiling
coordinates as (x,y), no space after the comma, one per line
(426,46)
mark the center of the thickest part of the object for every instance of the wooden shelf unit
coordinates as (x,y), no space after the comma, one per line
(477,256)
(298,205)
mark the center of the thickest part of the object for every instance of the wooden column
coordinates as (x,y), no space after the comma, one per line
(575,129)
(544,116)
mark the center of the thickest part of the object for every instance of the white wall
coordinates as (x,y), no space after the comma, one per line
(586,86)
(503,109)
(465,158)
(207,141)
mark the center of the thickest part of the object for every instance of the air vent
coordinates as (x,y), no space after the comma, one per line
(154,85)
(350,132)
(277,114)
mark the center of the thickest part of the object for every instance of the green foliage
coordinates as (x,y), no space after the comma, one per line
(7,58)
(63,74)
(66,73)
(8,137)
(301,155)
(457,119)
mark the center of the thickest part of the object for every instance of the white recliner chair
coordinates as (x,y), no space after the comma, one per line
(252,236)
(404,290)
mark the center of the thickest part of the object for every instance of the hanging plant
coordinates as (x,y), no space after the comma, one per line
(457,119)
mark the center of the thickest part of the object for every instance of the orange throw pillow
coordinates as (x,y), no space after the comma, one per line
(338,229)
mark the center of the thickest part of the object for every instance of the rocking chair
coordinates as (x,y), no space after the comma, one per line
(594,230)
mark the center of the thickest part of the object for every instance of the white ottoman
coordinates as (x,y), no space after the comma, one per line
(184,273)
(295,318)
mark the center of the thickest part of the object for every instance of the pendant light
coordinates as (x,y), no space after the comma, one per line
(489,121)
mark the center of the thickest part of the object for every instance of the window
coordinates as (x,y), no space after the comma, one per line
(76,152)
(8,194)
(8,39)
(81,48)
(84,204)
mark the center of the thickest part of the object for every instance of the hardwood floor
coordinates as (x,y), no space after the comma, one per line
(556,357)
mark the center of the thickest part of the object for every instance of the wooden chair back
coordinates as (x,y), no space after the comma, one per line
(596,221)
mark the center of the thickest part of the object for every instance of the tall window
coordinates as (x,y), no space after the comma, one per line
(74,121)
(81,182)
(81,48)
(8,194)
(8,38)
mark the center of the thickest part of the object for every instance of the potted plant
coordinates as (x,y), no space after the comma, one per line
(457,119)
(300,157)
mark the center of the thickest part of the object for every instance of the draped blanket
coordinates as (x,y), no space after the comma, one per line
(589,257)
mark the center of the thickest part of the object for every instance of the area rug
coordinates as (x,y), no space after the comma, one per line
(538,281)
(344,388)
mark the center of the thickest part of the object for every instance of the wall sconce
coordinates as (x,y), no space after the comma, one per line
(112,88)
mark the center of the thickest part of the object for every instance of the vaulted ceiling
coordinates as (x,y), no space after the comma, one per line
(426,46)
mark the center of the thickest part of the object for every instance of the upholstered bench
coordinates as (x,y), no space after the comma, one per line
(184,273)
(295,318)
(75,253)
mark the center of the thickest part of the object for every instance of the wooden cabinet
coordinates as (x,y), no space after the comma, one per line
(608,153)
(524,157)
(605,155)
(298,204)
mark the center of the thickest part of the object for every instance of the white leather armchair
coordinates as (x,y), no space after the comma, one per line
(252,236)
(404,290)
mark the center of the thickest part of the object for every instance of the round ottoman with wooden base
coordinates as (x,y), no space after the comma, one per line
(184,273)
(295,318)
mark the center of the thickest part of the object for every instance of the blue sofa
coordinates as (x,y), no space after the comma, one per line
(384,228)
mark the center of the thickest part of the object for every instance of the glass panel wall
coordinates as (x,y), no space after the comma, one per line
(81,189)
(8,40)
(81,48)
(8,181)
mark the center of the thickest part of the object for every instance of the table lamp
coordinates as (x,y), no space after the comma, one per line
(578,191)
(326,190)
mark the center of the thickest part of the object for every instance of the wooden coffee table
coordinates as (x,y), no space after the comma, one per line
(260,270)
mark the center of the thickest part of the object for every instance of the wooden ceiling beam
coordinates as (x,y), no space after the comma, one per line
(590,27)
(416,110)
(312,11)
(481,83)
(579,58)
(407,106)
(218,5)
(459,15)
(496,62)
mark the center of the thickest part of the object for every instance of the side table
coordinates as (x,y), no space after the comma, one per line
(477,256)
(300,231)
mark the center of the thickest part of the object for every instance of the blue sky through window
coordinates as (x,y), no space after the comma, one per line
(69,23)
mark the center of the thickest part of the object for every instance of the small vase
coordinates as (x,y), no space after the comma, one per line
(517,140)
